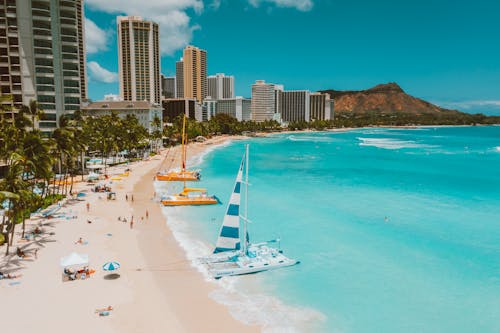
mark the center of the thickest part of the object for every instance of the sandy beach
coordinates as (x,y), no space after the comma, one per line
(157,289)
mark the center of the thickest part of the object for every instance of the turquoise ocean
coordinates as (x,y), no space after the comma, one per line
(397,230)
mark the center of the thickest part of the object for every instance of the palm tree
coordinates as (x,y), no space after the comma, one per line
(35,112)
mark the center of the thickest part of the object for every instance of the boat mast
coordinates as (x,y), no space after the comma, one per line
(184,137)
(245,211)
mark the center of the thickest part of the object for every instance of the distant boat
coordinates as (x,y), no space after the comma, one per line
(190,197)
(229,257)
(182,174)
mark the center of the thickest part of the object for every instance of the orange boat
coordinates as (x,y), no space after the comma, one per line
(190,197)
(182,175)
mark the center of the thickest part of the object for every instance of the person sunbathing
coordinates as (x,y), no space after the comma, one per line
(79,241)
(104,311)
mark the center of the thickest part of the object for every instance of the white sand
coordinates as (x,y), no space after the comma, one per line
(157,291)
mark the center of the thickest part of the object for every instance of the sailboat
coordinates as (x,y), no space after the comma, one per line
(190,197)
(232,256)
(182,174)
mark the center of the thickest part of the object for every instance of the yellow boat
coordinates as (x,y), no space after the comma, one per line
(190,196)
(182,175)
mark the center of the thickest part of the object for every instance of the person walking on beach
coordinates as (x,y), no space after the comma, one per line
(147,214)
(88,206)
(132,222)
(36,253)
(126,197)
(132,198)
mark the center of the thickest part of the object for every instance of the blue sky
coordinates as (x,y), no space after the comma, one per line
(447,52)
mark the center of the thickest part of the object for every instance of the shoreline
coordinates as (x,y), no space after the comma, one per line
(157,289)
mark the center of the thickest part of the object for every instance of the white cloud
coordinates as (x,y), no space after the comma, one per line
(302,5)
(100,74)
(95,37)
(176,30)
(473,104)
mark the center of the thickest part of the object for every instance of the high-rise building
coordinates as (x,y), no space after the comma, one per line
(168,86)
(195,73)
(264,100)
(293,105)
(138,59)
(42,56)
(239,108)
(179,79)
(321,106)
(220,86)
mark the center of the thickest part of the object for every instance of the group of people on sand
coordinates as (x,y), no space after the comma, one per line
(9,276)
(77,274)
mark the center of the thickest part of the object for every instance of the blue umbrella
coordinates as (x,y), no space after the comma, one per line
(111,266)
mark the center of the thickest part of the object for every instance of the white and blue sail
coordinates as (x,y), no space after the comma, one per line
(229,235)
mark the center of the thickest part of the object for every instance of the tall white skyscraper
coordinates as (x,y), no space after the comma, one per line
(221,86)
(139,59)
(42,56)
(264,100)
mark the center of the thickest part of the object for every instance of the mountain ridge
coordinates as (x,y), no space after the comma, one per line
(386,98)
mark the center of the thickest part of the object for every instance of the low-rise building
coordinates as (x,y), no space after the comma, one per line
(174,107)
(143,110)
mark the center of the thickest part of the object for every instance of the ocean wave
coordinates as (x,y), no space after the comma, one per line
(303,138)
(254,309)
(267,311)
(199,158)
(388,143)
(497,149)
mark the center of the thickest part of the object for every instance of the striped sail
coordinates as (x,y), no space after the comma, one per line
(229,235)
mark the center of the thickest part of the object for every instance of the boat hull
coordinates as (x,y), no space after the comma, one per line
(190,202)
(179,176)
(221,269)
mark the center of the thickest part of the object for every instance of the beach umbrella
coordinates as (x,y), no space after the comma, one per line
(75,259)
(111,266)
(81,194)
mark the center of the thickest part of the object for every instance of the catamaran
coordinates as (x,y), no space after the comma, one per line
(182,174)
(190,196)
(233,256)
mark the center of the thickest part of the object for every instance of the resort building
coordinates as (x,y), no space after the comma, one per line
(195,73)
(239,108)
(138,59)
(293,106)
(175,107)
(145,111)
(263,105)
(42,56)
(168,86)
(179,79)
(209,108)
(321,106)
(221,86)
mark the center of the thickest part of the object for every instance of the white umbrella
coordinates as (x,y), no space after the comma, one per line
(75,259)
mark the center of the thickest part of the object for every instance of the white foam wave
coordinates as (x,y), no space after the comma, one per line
(199,158)
(267,311)
(310,138)
(255,309)
(389,143)
(497,149)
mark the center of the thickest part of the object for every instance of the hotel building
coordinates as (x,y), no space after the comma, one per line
(144,111)
(239,108)
(321,106)
(195,73)
(263,105)
(168,86)
(293,105)
(221,86)
(42,56)
(179,79)
(138,59)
